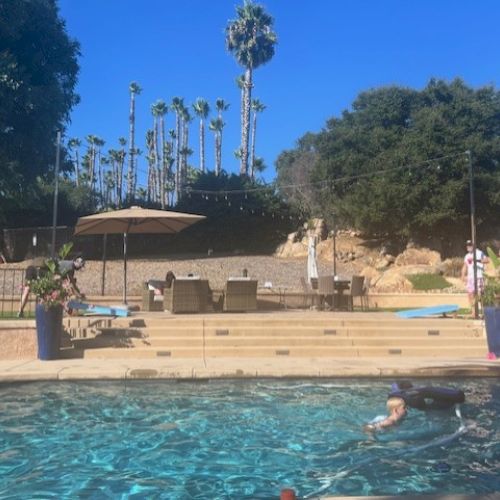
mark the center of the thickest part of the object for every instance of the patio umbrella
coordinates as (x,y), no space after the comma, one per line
(312,266)
(134,220)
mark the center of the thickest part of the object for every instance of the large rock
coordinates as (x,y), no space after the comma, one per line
(395,278)
(371,275)
(418,256)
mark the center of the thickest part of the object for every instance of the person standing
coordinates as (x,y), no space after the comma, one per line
(468,271)
(67,269)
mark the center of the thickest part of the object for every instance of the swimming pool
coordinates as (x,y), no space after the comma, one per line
(238,439)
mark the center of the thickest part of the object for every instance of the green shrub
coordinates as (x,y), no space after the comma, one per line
(428,281)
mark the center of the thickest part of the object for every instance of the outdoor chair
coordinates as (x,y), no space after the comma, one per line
(184,296)
(358,289)
(150,301)
(240,295)
(205,296)
(308,293)
(314,283)
(326,291)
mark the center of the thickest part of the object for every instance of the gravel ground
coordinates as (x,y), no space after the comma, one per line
(280,272)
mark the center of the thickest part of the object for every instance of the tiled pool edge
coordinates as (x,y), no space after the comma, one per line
(232,368)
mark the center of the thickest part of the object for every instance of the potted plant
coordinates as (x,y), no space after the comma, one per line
(491,302)
(53,290)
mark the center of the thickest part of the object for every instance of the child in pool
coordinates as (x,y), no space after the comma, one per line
(396,408)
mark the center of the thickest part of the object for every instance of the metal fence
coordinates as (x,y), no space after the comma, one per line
(11,286)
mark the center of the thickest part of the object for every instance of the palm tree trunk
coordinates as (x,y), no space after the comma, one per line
(177,155)
(202,145)
(163,175)
(252,154)
(99,169)
(185,140)
(218,153)
(245,132)
(156,176)
(77,168)
(92,166)
(131,172)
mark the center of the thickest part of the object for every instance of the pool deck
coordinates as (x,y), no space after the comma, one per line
(125,364)
(238,368)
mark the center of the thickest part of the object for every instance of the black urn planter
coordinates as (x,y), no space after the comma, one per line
(492,321)
(48,331)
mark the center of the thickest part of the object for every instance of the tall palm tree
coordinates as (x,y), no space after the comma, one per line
(240,82)
(134,90)
(216,126)
(90,158)
(151,157)
(161,108)
(121,155)
(99,143)
(177,105)
(202,109)
(185,150)
(220,105)
(251,40)
(73,145)
(257,107)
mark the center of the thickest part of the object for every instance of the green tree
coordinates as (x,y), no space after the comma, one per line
(360,158)
(251,40)
(38,68)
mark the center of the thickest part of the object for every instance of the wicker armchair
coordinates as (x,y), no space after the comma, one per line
(148,299)
(184,296)
(240,295)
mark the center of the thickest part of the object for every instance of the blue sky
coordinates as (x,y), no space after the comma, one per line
(328,52)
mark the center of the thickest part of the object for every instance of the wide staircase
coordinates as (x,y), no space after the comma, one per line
(293,334)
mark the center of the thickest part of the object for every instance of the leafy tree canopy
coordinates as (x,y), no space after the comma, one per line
(371,165)
(38,73)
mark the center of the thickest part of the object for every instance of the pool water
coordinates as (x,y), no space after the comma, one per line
(239,439)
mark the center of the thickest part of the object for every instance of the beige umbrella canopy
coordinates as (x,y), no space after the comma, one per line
(134,220)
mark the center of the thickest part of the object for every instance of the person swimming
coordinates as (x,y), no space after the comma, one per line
(396,407)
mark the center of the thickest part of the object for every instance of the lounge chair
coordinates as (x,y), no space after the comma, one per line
(240,295)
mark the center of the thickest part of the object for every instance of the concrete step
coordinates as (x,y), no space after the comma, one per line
(293,331)
(278,351)
(440,343)
(259,320)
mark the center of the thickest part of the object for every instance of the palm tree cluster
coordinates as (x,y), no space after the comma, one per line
(251,40)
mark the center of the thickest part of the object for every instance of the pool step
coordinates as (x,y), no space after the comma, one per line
(269,335)
(310,351)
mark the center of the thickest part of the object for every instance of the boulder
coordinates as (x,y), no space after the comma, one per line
(371,274)
(418,256)
(394,279)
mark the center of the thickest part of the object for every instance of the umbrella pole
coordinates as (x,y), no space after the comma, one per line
(103,280)
(124,268)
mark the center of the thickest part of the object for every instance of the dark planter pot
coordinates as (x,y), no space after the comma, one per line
(492,320)
(48,331)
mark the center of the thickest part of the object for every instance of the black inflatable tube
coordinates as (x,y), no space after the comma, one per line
(430,398)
